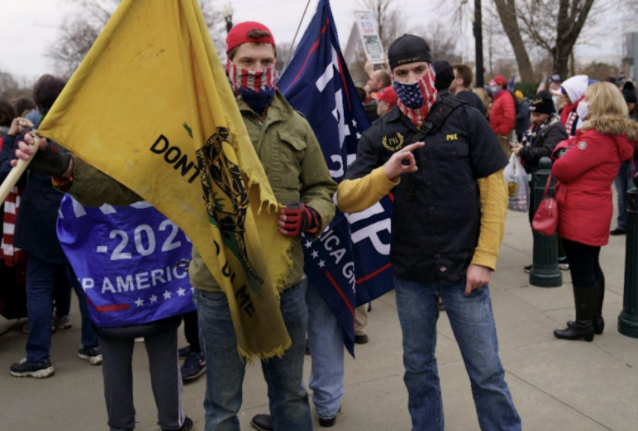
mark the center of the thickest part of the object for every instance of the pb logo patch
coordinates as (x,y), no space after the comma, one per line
(582,145)
(452,137)
(394,143)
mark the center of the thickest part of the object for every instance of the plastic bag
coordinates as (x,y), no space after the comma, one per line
(517,185)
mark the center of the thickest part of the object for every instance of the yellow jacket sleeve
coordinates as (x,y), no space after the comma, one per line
(358,195)
(494,201)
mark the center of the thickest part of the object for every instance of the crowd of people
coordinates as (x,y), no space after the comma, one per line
(445,238)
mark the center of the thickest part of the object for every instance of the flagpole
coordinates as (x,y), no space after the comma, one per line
(16,173)
(297,32)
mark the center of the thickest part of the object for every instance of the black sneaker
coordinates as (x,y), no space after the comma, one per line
(38,370)
(188,425)
(93,355)
(617,232)
(361,339)
(327,423)
(194,366)
(184,351)
(261,423)
(528,268)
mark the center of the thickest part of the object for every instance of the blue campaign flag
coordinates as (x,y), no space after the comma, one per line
(126,259)
(349,265)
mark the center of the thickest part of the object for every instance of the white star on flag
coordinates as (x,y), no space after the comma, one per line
(153,298)
(139,302)
(354,122)
(358,135)
(192,289)
(180,291)
(322,263)
(308,244)
(167,295)
(315,254)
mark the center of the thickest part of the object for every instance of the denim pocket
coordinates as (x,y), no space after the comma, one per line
(212,298)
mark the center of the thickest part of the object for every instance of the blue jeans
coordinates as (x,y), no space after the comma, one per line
(89,337)
(325,338)
(623,183)
(225,370)
(41,280)
(473,326)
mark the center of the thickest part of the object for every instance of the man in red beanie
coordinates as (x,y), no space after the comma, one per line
(299,177)
(503,112)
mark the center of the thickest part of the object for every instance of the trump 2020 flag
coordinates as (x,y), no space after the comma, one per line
(127,260)
(151,107)
(349,265)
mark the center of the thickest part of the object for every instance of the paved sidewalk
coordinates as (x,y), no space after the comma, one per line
(556,385)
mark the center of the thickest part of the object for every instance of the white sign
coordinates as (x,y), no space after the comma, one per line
(370,37)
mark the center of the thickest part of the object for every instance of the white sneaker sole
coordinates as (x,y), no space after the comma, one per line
(93,360)
(40,374)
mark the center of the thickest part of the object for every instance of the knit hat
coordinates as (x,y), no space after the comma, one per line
(543,103)
(408,49)
(444,74)
(555,78)
(630,95)
(238,35)
(519,95)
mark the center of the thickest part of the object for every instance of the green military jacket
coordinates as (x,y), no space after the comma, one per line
(293,161)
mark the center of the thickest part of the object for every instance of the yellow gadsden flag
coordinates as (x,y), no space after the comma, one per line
(151,107)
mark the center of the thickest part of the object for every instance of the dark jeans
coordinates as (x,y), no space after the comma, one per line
(62,298)
(584,264)
(191,331)
(474,329)
(41,280)
(117,357)
(288,400)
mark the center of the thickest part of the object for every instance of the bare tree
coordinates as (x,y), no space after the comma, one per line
(554,26)
(14,88)
(285,52)
(442,41)
(80,30)
(507,12)
(599,71)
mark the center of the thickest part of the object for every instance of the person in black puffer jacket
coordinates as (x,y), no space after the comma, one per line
(539,141)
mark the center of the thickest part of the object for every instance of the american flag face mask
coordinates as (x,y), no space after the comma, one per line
(255,88)
(415,100)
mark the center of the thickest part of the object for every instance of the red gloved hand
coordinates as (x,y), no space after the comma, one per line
(298,218)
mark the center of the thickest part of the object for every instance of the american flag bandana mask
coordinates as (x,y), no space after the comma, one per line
(255,88)
(415,100)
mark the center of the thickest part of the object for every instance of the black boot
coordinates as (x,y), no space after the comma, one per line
(585,300)
(597,320)
(599,323)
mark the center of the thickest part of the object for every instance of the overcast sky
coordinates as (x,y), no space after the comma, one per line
(28,27)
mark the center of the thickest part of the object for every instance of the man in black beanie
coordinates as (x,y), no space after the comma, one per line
(444,166)
(444,77)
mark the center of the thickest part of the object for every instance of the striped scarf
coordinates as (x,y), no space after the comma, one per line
(11,255)
(416,100)
(257,89)
(531,134)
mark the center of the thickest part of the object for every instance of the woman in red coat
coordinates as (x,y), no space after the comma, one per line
(585,167)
